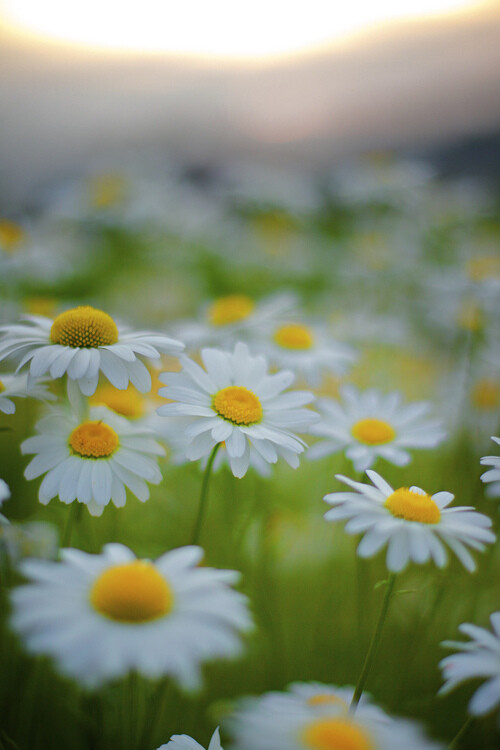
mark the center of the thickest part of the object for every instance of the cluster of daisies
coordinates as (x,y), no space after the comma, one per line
(101,616)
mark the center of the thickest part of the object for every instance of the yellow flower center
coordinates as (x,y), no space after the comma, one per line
(133,592)
(322,699)
(237,405)
(373,431)
(232,309)
(11,235)
(484,267)
(2,387)
(336,734)
(93,440)
(129,403)
(412,506)
(84,327)
(294,337)
(486,394)
(107,190)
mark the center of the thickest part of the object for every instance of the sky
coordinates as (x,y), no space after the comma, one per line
(268,86)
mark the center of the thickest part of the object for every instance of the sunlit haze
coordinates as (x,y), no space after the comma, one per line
(222,28)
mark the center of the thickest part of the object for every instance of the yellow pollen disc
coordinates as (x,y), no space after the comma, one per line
(412,506)
(373,431)
(294,337)
(238,405)
(486,394)
(323,699)
(230,309)
(11,235)
(2,387)
(93,440)
(336,734)
(484,267)
(107,190)
(133,592)
(84,327)
(129,403)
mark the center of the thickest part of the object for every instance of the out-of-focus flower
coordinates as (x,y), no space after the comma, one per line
(16,386)
(370,425)
(93,461)
(314,717)
(4,495)
(492,476)
(33,539)
(234,401)
(100,616)
(412,523)
(308,350)
(81,343)
(480,657)
(235,317)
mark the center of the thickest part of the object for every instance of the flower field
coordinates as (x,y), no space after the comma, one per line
(248,480)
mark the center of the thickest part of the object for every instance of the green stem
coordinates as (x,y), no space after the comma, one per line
(204,495)
(461,732)
(374,643)
(74,514)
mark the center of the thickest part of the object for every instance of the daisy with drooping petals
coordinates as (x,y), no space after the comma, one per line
(183,742)
(16,386)
(412,523)
(101,616)
(480,657)
(317,718)
(92,461)
(82,343)
(234,401)
(309,351)
(370,425)
(492,476)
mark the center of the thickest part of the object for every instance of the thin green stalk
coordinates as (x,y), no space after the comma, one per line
(73,516)
(456,739)
(204,496)
(374,643)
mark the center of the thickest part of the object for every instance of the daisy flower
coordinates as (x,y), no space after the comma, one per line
(234,401)
(229,319)
(92,461)
(480,657)
(412,523)
(83,342)
(16,386)
(492,476)
(370,425)
(315,717)
(308,350)
(101,616)
(183,742)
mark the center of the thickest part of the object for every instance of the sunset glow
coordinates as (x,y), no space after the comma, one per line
(221,28)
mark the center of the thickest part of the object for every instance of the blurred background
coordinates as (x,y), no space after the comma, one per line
(306,86)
